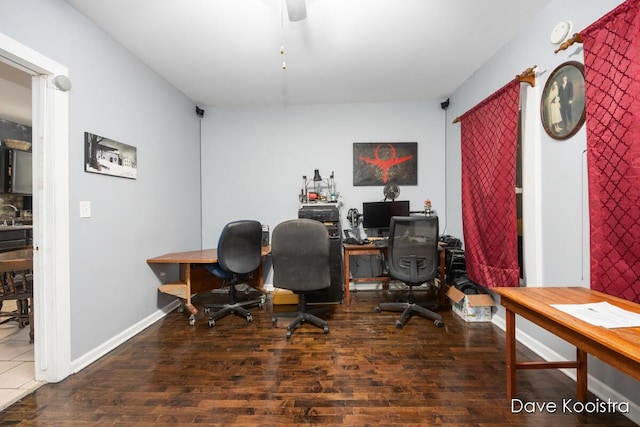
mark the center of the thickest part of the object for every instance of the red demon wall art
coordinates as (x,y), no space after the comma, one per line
(377,163)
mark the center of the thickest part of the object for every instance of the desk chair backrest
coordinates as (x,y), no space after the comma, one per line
(240,246)
(300,252)
(413,249)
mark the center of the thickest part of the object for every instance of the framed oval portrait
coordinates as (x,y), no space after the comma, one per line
(562,107)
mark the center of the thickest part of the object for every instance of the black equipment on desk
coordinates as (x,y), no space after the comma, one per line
(330,217)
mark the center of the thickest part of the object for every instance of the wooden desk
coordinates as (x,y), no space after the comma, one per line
(619,348)
(194,278)
(372,249)
(20,261)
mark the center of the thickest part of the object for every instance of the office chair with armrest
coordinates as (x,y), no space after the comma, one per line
(413,259)
(239,254)
(300,250)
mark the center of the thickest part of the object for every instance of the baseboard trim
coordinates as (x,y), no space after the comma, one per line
(88,358)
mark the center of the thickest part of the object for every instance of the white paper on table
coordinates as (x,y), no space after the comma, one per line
(601,314)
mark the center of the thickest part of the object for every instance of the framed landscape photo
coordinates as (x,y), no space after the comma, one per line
(562,108)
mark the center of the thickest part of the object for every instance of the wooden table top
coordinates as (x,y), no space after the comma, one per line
(21,259)
(200,256)
(625,341)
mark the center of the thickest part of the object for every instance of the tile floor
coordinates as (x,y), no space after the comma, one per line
(17,377)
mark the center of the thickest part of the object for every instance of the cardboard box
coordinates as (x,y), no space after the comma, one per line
(284,297)
(471,308)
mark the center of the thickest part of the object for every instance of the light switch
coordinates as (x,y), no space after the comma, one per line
(85,209)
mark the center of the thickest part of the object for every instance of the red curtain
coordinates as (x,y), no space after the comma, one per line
(488,144)
(612,85)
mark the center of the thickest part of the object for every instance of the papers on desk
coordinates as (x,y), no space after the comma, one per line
(601,314)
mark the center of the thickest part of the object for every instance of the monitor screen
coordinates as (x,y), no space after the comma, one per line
(378,214)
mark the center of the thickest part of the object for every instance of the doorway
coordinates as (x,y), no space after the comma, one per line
(17,376)
(50,118)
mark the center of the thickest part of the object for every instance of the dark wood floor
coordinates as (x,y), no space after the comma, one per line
(364,372)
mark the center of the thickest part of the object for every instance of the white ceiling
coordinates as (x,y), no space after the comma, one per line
(15,94)
(227,52)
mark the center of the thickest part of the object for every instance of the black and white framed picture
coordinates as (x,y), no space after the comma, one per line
(108,157)
(379,163)
(562,108)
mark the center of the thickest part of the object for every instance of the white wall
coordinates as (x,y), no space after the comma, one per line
(116,96)
(253,158)
(560,214)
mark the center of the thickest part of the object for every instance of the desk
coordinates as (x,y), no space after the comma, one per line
(195,278)
(19,261)
(372,249)
(617,347)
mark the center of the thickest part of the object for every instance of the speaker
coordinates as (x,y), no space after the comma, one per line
(265,235)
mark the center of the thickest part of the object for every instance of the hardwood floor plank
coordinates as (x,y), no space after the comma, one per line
(365,372)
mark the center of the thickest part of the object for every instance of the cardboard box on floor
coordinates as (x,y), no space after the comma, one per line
(284,297)
(471,308)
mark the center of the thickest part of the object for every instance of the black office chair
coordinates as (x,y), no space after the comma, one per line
(239,254)
(413,259)
(300,255)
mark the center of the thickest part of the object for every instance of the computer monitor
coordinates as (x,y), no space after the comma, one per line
(378,214)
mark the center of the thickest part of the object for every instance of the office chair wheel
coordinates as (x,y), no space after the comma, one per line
(326,329)
(180,308)
(206,310)
(274,320)
(399,324)
(212,323)
(438,323)
(249,318)
(192,320)
(288,334)
(378,309)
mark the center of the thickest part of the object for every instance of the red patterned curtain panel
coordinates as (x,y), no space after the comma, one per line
(612,85)
(488,144)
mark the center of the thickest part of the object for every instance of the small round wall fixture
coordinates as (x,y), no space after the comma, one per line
(62,82)
(562,108)
(560,32)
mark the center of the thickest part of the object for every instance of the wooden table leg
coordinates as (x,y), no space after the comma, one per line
(347,296)
(511,353)
(581,375)
(442,299)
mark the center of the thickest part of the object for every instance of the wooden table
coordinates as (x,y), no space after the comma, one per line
(373,249)
(194,278)
(618,347)
(20,261)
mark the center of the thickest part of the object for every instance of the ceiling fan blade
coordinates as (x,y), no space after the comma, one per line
(297,10)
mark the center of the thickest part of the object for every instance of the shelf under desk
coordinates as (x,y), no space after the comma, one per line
(194,278)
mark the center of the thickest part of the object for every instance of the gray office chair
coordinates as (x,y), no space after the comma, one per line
(413,259)
(300,255)
(239,254)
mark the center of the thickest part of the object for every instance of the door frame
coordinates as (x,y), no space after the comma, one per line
(51,255)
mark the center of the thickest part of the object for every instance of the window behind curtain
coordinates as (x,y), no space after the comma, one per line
(488,144)
(612,86)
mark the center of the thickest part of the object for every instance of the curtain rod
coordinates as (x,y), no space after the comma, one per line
(527,76)
(577,38)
